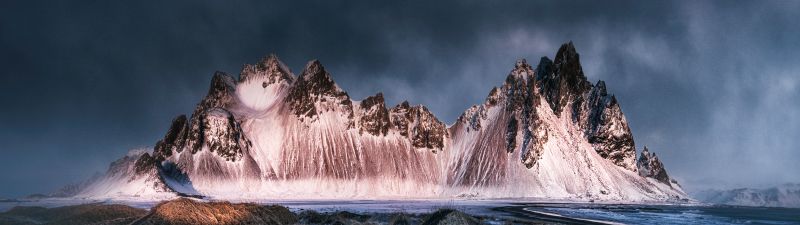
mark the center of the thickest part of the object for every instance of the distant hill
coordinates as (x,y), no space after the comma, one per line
(787,195)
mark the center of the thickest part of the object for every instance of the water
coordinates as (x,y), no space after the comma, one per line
(569,212)
(659,214)
(525,211)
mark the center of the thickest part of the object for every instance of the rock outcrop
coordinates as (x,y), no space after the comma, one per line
(650,166)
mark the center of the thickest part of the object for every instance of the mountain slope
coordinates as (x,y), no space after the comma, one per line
(787,195)
(545,132)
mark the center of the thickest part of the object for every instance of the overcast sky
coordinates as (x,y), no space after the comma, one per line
(711,87)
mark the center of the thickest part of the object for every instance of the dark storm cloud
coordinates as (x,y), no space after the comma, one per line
(711,87)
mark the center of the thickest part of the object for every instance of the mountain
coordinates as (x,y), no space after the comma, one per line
(786,195)
(546,132)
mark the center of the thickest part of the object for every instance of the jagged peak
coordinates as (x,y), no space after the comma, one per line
(420,125)
(221,83)
(522,70)
(566,50)
(568,63)
(316,85)
(315,74)
(402,105)
(521,64)
(313,67)
(647,152)
(269,67)
(376,99)
(613,100)
(650,166)
(174,139)
(494,96)
(268,61)
(408,107)
(222,77)
(375,117)
(566,82)
(545,68)
(601,88)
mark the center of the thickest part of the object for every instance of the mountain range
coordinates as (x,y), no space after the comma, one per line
(546,132)
(786,195)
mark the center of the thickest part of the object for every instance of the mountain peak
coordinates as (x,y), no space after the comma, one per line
(221,89)
(313,67)
(375,119)
(566,82)
(315,76)
(269,68)
(545,68)
(522,70)
(568,65)
(601,88)
(567,50)
(404,104)
(649,166)
(420,125)
(521,63)
(316,85)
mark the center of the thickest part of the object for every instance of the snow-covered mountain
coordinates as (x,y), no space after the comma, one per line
(546,132)
(786,195)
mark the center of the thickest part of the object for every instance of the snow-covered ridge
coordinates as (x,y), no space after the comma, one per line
(545,132)
(786,195)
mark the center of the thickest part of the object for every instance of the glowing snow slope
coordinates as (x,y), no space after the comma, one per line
(545,133)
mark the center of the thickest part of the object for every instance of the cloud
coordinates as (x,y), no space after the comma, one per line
(710,86)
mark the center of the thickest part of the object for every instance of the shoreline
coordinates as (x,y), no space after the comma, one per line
(514,211)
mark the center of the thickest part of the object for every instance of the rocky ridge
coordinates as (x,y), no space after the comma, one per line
(650,166)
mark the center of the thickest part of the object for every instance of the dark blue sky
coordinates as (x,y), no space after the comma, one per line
(712,87)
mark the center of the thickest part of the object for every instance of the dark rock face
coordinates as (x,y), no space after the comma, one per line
(522,98)
(223,135)
(220,95)
(475,114)
(563,83)
(211,125)
(420,125)
(375,119)
(545,68)
(269,67)
(607,128)
(428,132)
(650,166)
(511,135)
(174,140)
(566,82)
(506,123)
(144,164)
(400,117)
(315,92)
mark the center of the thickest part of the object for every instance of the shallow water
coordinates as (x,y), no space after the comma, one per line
(521,210)
(661,214)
